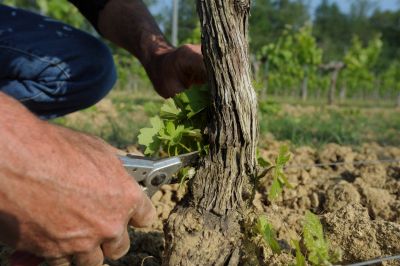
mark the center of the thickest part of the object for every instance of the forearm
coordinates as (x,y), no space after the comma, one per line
(18,127)
(63,193)
(20,133)
(129,24)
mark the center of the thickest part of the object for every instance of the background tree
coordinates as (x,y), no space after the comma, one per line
(391,82)
(292,60)
(309,56)
(333,40)
(207,226)
(269,19)
(387,24)
(360,23)
(360,61)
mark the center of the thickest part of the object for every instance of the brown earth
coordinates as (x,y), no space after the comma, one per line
(359,205)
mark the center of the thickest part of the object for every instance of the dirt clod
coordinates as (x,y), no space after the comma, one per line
(359,205)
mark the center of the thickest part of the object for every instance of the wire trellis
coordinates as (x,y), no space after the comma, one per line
(366,162)
(373,261)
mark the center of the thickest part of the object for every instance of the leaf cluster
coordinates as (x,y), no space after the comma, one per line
(318,250)
(294,53)
(360,62)
(265,229)
(280,179)
(179,126)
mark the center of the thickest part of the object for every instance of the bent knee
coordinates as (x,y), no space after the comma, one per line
(86,75)
(94,70)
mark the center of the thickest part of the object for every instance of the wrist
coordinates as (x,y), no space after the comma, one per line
(155,66)
(153,52)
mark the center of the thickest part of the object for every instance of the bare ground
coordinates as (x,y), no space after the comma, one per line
(359,205)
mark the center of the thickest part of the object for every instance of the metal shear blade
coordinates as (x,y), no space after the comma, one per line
(151,174)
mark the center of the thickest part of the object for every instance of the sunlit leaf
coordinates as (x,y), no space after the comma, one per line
(268,233)
(148,136)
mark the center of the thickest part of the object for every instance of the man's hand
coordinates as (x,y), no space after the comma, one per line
(177,69)
(64,194)
(129,24)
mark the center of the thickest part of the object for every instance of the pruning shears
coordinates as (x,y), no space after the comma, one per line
(151,174)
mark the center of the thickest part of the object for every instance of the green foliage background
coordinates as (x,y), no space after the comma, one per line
(288,44)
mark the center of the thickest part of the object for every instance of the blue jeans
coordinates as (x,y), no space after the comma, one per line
(50,67)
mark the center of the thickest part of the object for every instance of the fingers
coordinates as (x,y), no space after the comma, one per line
(66,261)
(199,72)
(93,258)
(117,248)
(143,213)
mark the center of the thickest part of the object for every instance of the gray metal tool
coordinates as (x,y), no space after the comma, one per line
(151,174)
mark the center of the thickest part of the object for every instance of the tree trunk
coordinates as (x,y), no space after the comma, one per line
(334,68)
(206,228)
(265,80)
(332,88)
(304,84)
(343,92)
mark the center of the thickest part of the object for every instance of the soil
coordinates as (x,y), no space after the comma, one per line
(359,205)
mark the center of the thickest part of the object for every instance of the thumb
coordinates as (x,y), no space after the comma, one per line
(20,258)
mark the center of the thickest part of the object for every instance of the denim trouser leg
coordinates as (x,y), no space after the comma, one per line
(53,69)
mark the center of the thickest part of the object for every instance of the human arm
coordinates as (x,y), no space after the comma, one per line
(129,24)
(63,193)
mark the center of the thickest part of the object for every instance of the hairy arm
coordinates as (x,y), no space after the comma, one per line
(129,24)
(63,193)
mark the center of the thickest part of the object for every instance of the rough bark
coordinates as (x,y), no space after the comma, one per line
(206,228)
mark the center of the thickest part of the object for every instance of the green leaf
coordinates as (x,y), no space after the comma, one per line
(174,134)
(261,161)
(148,137)
(275,190)
(300,259)
(170,129)
(268,233)
(279,176)
(283,156)
(283,179)
(185,174)
(194,100)
(169,110)
(195,133)
(314,240)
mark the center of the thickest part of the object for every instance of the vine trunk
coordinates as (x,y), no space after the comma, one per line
(206,228)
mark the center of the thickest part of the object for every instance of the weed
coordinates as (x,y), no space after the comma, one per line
(317,248)
(264,228)
(179,126)
(314,240)
(278,175)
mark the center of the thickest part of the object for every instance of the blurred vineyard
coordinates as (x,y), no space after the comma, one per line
(322,75)
(324,54)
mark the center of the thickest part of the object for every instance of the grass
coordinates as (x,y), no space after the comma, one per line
(119,117)
(318,125)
